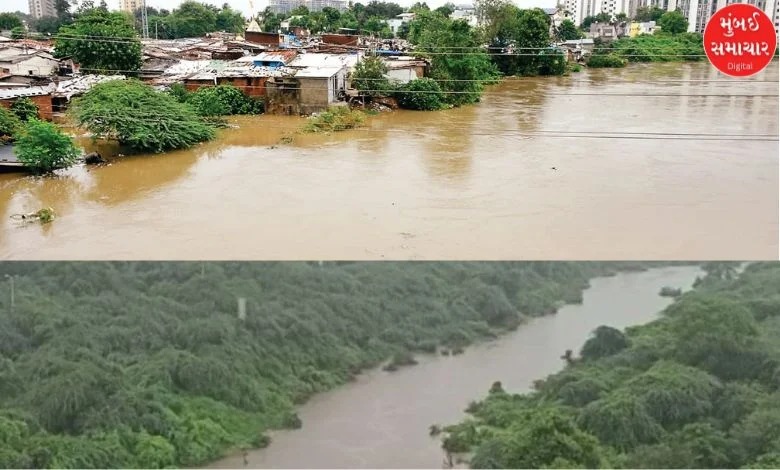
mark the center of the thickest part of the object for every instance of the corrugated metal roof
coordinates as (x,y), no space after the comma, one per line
(318,72)
(28,91)
(314,60)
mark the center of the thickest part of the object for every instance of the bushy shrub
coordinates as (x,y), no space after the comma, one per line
(606,61)
(223,100)
(10,125)
(25,109)
(423,94)
(136,115)
(336,118)
(41,146)
(552,63)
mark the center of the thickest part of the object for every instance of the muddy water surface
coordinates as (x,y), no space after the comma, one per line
(502,179)
(382,420)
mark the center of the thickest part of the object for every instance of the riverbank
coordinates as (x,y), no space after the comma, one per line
(436,185)
(194,388)
(382,419)
(661,395)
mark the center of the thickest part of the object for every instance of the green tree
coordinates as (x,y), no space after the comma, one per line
(192,20)
(568,31)
(46,24)
(673,22)
(41,146)
(369,77)
(599,18)
(423,94)
(25,109)
(136,115)
(223,100)
(648,13)
(10,125)
(229,20)
(10,21)
(81,41)
(18,33)
(605,341)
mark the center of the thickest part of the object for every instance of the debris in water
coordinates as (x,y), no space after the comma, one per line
(44,215)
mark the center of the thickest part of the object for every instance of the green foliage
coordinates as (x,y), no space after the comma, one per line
(146,365)
(41,146)
(25,109)
(423,94)
(336,118)
(605,341)
(9,21)
(657,47)
(18,33)
(10,125)
(648,13)
(461,76)
(673,22)
(120,53)
(568,31)
(599,18)
(606,61)
(551,62)
(221,100)
(136,115)
(369,77)
(694,389)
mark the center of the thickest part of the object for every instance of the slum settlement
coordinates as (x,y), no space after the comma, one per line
(293,76)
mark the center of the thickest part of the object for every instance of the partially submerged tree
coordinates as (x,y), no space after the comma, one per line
(136,115)
(42,147)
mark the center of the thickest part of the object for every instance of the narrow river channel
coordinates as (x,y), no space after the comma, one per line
(541,168)
(382,419)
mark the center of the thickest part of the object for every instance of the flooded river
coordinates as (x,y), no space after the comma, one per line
(382,420)
(542,168)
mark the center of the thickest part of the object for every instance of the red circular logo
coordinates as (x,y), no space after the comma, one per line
(740,40)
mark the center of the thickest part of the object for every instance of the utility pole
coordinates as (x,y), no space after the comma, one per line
(144,20)
(13,293)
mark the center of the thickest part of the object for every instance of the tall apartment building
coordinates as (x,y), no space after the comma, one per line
(286,6)
(130,5)
(41,8)
(698,12)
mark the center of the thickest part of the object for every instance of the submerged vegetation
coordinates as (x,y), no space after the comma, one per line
(135,114)
(336,118)
(149,365)
(658,47)
(698,388)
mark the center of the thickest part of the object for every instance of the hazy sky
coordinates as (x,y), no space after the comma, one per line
(243,5)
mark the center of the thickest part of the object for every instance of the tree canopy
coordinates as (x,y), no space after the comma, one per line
(136,115)
(100,42)
(673,22)
(148,364)
(697,388)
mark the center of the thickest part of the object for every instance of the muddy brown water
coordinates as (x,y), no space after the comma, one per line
(467,183)
(382,419)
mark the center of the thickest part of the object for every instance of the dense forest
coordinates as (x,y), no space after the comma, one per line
(148,365)
(697,388)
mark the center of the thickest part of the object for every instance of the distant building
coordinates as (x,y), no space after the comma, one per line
(556,18)
(395,23)
(466,13)
(608,31)
(130,5)
(637,29)
(41,8)
(286,6)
